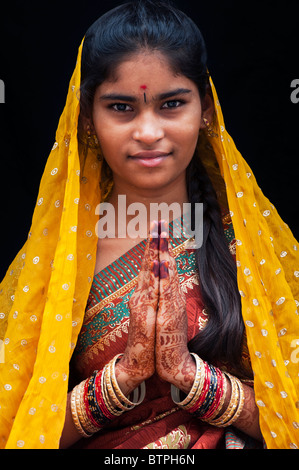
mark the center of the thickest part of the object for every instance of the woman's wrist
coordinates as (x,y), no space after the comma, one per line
(180,375)
(99,399)
(128,376)
(214,397)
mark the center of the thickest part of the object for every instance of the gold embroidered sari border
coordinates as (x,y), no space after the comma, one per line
(118,293)
(105,340)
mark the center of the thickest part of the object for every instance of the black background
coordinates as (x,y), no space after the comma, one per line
(253,57)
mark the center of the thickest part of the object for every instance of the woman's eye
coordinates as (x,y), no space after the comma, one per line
(172,104)
(121,107)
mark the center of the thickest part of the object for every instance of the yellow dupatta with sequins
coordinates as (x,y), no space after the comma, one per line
(44,293)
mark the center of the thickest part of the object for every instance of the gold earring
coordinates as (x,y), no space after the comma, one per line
(91,142)
(209,128)
(92,139)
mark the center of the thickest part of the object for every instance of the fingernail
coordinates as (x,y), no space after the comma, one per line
(154,241)
(164,273)
(154,226)
(163,227)
(155,268)
(163,245)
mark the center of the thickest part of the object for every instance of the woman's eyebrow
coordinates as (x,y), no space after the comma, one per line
(133,99)
(171,93)
(117,96)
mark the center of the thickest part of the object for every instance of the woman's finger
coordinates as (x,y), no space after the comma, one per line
(138,361)
(169,279)
(147,287)
(171,313)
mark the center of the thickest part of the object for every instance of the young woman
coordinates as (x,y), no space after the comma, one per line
(156,329)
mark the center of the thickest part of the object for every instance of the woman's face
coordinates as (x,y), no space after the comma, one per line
(147,121)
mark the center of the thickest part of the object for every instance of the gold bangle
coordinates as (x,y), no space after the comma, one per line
(87,425)
(219,407)
(196,388)
(119,394)
(79,408)
(111,393)
(202,379)
(75,417)
(240,404)
(106,397)
(116,391)
(232,406)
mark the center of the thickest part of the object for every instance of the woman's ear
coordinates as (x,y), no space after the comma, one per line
(208,109)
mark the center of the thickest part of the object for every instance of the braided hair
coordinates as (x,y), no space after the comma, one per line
(223,334)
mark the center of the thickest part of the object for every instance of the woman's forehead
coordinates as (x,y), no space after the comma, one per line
(145,71)
(142,62)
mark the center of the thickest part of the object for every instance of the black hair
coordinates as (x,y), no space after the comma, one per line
(159,26)
(133,26)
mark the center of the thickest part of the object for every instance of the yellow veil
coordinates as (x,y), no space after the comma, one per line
(44,293)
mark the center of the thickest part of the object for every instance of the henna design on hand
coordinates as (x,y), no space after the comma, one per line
(173,360)
(138,362)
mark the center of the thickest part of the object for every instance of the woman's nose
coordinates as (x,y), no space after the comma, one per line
(148,129)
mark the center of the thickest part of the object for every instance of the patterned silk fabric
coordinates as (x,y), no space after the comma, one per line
(45,291)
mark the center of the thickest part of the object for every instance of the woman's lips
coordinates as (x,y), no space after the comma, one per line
(149,158)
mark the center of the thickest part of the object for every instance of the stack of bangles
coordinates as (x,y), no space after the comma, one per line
(98,399)
(207,395)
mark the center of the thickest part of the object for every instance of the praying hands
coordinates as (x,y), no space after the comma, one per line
(157,339)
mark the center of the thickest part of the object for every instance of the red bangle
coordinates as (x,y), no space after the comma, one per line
(218,395)
(205,389)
